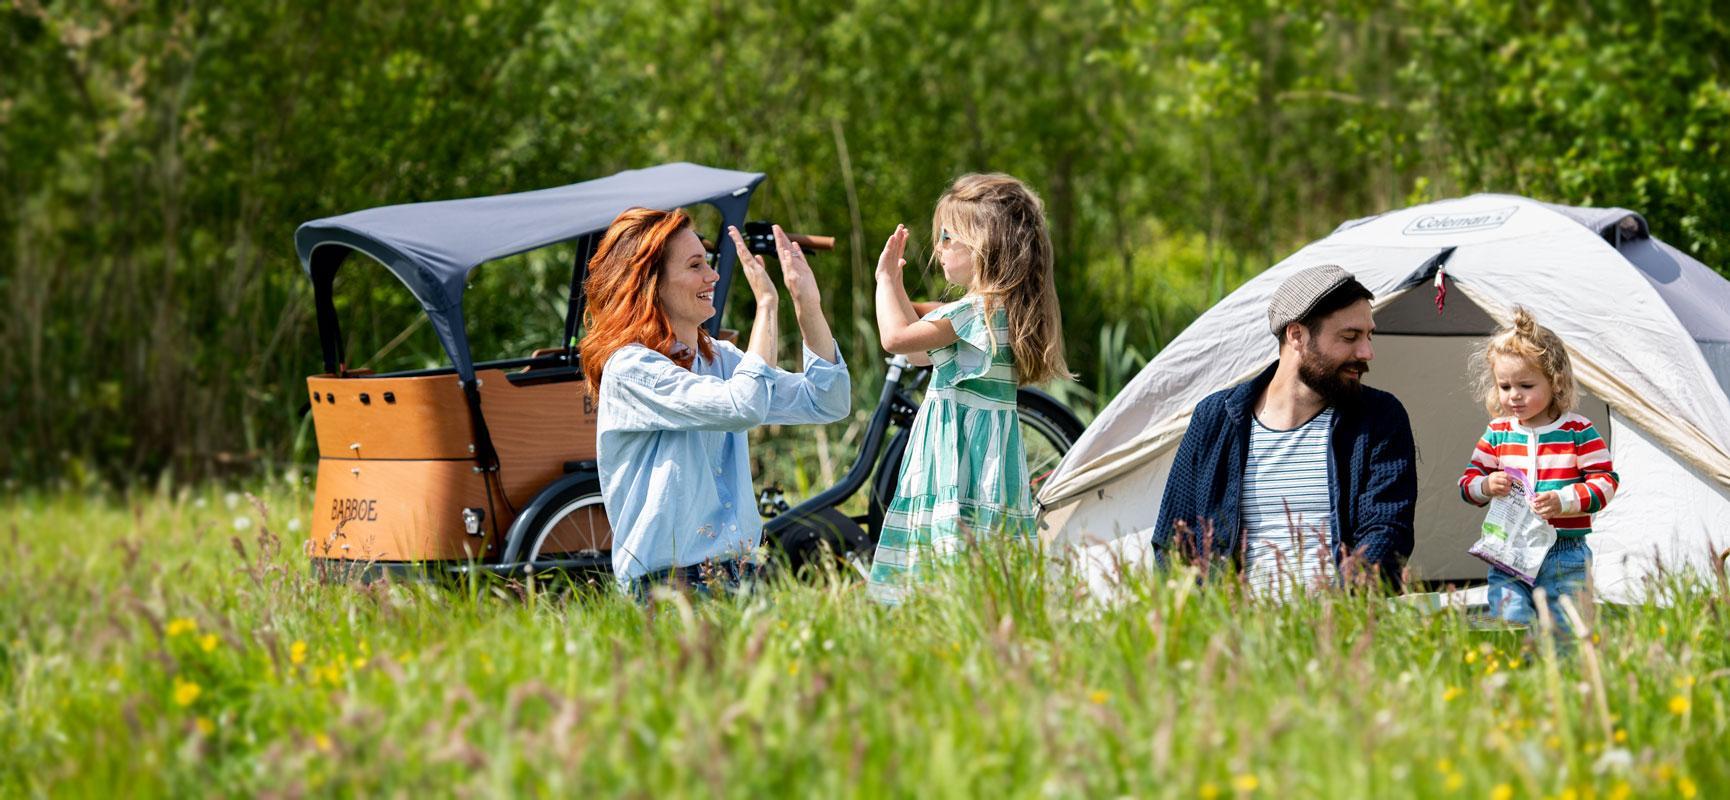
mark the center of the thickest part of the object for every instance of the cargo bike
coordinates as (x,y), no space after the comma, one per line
(490,466)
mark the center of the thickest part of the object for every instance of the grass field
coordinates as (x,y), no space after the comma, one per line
(173,644)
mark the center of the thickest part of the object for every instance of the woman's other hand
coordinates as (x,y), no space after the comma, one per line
(796,272)
(756,272)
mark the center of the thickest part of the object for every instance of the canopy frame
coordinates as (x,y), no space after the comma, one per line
(433,247)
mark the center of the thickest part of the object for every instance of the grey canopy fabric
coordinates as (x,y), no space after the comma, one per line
(433,246)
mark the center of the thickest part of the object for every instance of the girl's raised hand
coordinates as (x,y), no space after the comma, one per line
(796,271)
(756,273)
(889,264)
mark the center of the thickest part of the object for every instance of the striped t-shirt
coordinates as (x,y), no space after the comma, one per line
(1573,461)
(1287,508)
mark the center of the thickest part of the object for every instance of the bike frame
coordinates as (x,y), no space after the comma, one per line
(894,407)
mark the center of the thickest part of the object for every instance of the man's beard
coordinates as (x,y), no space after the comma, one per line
(1327,378)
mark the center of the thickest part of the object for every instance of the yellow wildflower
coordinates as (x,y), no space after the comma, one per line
(1502,792)
(1444,766)
(204,725)
(1553,742)
(297,652)
(1621,736)
(1451,693)
(321,741)
(185,692)
(359,662)
(1679,705)
(207,642)
(1209,791)
(1686,788)
(1621,791)
(180,626)
(1471,656)
(1454,781)
(793,669)
(1246,783)
(1098,697)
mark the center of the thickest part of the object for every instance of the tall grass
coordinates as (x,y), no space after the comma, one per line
(172,643)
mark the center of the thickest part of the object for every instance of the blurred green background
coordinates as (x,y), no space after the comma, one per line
(155,159)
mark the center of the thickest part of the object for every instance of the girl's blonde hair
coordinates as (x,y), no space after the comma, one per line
(1541,348)
(1003,223)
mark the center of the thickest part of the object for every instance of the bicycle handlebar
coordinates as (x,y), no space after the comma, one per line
(760,239)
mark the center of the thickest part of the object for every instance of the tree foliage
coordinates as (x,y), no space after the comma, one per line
(156,157)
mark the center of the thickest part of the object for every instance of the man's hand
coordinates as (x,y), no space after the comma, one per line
(1547,505)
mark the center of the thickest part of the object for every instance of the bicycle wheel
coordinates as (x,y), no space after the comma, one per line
(1048,430)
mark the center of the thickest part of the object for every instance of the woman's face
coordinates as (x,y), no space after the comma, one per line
(687,290)
(956,258)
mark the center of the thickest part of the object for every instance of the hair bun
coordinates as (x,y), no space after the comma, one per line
(1524,322)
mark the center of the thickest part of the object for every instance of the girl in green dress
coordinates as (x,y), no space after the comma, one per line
(964,476)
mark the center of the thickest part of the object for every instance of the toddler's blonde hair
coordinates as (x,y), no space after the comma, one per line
(1538,346)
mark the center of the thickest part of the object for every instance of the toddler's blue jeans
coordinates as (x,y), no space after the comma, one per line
(1563,573)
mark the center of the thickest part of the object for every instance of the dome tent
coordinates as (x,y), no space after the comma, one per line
(1647,327)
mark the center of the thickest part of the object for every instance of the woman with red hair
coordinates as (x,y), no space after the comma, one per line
(675,404)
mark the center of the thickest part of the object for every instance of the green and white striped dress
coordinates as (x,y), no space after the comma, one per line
(964,475)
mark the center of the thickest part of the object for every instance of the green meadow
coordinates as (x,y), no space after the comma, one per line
(174,643)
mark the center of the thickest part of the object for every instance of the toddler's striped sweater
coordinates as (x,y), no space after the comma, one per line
(1572,460)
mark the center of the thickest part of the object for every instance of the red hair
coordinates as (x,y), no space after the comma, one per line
(622,288)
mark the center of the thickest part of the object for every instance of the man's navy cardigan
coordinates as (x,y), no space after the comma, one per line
(1372,477)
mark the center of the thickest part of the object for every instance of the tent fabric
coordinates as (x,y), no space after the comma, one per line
(433,246)
(1622,309)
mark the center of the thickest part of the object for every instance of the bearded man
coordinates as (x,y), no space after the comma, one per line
(1302,476)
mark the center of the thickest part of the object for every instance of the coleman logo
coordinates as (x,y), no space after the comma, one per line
(1457,223)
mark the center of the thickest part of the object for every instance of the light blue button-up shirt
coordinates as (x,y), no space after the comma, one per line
(675,475)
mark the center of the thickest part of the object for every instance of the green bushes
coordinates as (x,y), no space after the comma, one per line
(154,162)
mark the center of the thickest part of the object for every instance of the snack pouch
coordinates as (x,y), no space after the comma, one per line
(1515,539)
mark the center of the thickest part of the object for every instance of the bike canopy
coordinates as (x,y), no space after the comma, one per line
(432,247)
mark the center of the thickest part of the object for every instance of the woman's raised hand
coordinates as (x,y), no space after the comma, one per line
(756,273)
(889,264)
(796,272)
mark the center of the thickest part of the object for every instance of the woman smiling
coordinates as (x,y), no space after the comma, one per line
(675,404)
